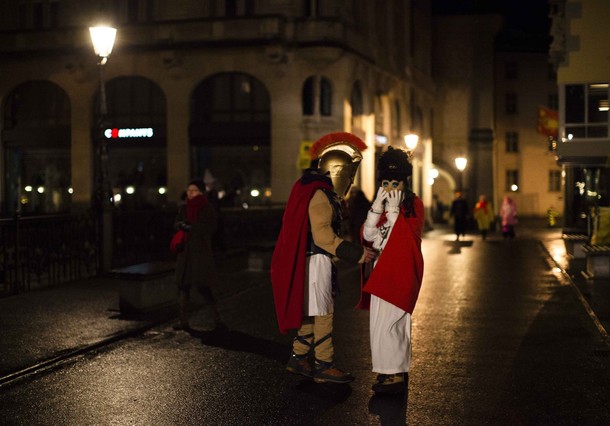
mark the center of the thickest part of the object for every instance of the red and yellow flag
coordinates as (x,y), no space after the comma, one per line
(548,122)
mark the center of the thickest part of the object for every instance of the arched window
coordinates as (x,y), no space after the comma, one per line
(308,95)
(317,92)
(36,141)
(37,104)
(356,100)
(135,132)
(326,97)
(134,102)
(230,136)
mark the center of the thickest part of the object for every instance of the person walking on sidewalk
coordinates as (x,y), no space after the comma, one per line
(394,227)
(302,272)
(484,215)
(195,262)
(508,214)
(459,212)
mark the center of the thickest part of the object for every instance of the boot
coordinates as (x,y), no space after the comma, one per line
(391,384)
(327,372)
(300,364)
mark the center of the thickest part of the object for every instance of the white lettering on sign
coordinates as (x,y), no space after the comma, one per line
(144,132)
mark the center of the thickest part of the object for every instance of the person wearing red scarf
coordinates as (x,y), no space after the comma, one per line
(393,227)
(195,263)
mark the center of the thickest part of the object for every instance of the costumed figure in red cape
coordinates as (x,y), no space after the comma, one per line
(302,270)
(393,227)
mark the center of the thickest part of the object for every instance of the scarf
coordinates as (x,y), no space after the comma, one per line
(194,206)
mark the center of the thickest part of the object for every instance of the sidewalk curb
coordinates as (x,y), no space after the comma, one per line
(565,279)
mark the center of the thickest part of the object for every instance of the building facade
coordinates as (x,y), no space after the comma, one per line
(524,164)
(579,51)
(490,86)
(464,105)
(228,91)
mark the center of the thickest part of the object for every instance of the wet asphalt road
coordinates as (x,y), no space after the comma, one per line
(498,339)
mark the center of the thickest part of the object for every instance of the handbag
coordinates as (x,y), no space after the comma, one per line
(176,245)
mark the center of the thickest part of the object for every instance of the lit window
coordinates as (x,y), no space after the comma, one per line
(586,110)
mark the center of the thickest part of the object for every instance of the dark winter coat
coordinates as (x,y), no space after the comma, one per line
(195,264)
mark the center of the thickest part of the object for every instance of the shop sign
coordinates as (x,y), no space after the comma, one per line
(144,132)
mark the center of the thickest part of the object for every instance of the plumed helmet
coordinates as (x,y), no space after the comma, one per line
(338,155)
(394,164)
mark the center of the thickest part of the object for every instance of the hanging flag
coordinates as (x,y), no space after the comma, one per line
(548,122)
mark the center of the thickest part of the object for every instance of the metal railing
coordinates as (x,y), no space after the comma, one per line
(46,250)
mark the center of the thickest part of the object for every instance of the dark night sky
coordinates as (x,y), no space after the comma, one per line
(527,21)
(522,15)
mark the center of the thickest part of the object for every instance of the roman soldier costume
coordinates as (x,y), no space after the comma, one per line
(302,271)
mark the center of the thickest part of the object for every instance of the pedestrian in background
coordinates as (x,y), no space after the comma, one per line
(394,227)
(459,212)
(359,206)
(508,214)
(195,262)
(484,215)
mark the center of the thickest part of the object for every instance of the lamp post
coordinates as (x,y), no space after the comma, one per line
(460,163)
(102,38)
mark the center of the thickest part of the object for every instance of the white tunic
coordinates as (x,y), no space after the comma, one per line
(390,326)
(318,286)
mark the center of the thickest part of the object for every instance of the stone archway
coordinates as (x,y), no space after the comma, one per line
(230,138)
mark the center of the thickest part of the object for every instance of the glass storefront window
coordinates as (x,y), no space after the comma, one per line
(137,166)
(36,142)
(230,136)
(586,110)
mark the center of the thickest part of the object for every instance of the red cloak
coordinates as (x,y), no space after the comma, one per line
(288,261)
(397,275)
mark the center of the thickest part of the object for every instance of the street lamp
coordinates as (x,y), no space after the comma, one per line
(460,163)
(411,141)
(102,38)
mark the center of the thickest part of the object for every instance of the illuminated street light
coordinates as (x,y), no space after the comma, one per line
(102,38)
(411,141)
(460,163)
